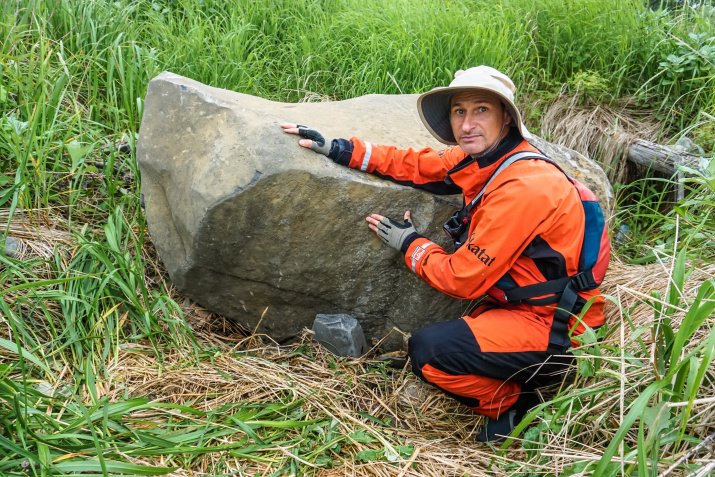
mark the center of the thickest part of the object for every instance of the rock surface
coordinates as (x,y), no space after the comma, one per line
(256,228)
(586,171)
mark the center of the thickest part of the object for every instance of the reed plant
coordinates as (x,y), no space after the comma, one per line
(104,372)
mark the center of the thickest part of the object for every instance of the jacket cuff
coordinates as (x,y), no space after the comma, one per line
(361,154)
(341,150)
(416,251)
(408,241)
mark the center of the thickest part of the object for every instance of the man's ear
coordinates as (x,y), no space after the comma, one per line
(507,117)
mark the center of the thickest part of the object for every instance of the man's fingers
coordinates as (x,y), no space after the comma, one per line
(290,128)
(407,215)
(373,221)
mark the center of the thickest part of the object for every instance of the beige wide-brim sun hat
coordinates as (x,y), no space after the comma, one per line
(434,106)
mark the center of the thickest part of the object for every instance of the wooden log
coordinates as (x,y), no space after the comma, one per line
(661,158)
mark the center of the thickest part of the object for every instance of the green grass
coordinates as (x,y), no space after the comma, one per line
(73,75)
(656,222)
(668,371)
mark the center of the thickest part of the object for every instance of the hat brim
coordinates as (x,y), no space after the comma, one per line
(434,110)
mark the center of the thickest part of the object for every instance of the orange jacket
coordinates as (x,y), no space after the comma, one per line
(531,211)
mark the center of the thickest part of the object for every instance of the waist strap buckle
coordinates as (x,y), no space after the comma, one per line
(583,281)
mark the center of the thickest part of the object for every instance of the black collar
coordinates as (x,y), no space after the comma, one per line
(510,141)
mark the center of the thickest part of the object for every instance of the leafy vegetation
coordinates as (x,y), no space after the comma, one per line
(85,301)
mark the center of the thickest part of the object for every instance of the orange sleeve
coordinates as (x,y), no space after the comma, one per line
(508,219)
(407,165)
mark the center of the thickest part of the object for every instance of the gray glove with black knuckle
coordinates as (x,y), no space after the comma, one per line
(321,144)
(395,234)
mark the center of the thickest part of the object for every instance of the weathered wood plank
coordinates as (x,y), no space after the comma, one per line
(660,158)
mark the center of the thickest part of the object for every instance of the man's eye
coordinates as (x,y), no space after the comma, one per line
(482,109)
(459,111)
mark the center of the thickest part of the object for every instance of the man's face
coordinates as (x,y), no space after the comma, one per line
(477,119)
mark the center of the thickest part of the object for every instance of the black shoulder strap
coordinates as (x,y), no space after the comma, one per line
(517,156)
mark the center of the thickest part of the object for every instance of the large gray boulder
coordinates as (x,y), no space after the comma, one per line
(258,229)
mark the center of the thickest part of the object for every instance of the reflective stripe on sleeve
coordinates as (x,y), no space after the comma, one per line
(366,159)
(418,253)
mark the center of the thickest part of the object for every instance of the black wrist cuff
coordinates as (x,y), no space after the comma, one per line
(408,241)
(341,151)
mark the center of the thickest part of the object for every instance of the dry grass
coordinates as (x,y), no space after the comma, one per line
(37,231)
(629,285)
(603,132)
(249,371)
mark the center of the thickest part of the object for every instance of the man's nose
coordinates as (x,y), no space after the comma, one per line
(468,123)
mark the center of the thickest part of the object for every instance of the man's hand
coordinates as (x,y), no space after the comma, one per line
(391,232)
(312,138)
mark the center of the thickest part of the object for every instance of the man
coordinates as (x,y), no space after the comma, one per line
(526,228)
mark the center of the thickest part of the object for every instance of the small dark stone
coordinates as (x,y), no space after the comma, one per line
(341,334)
